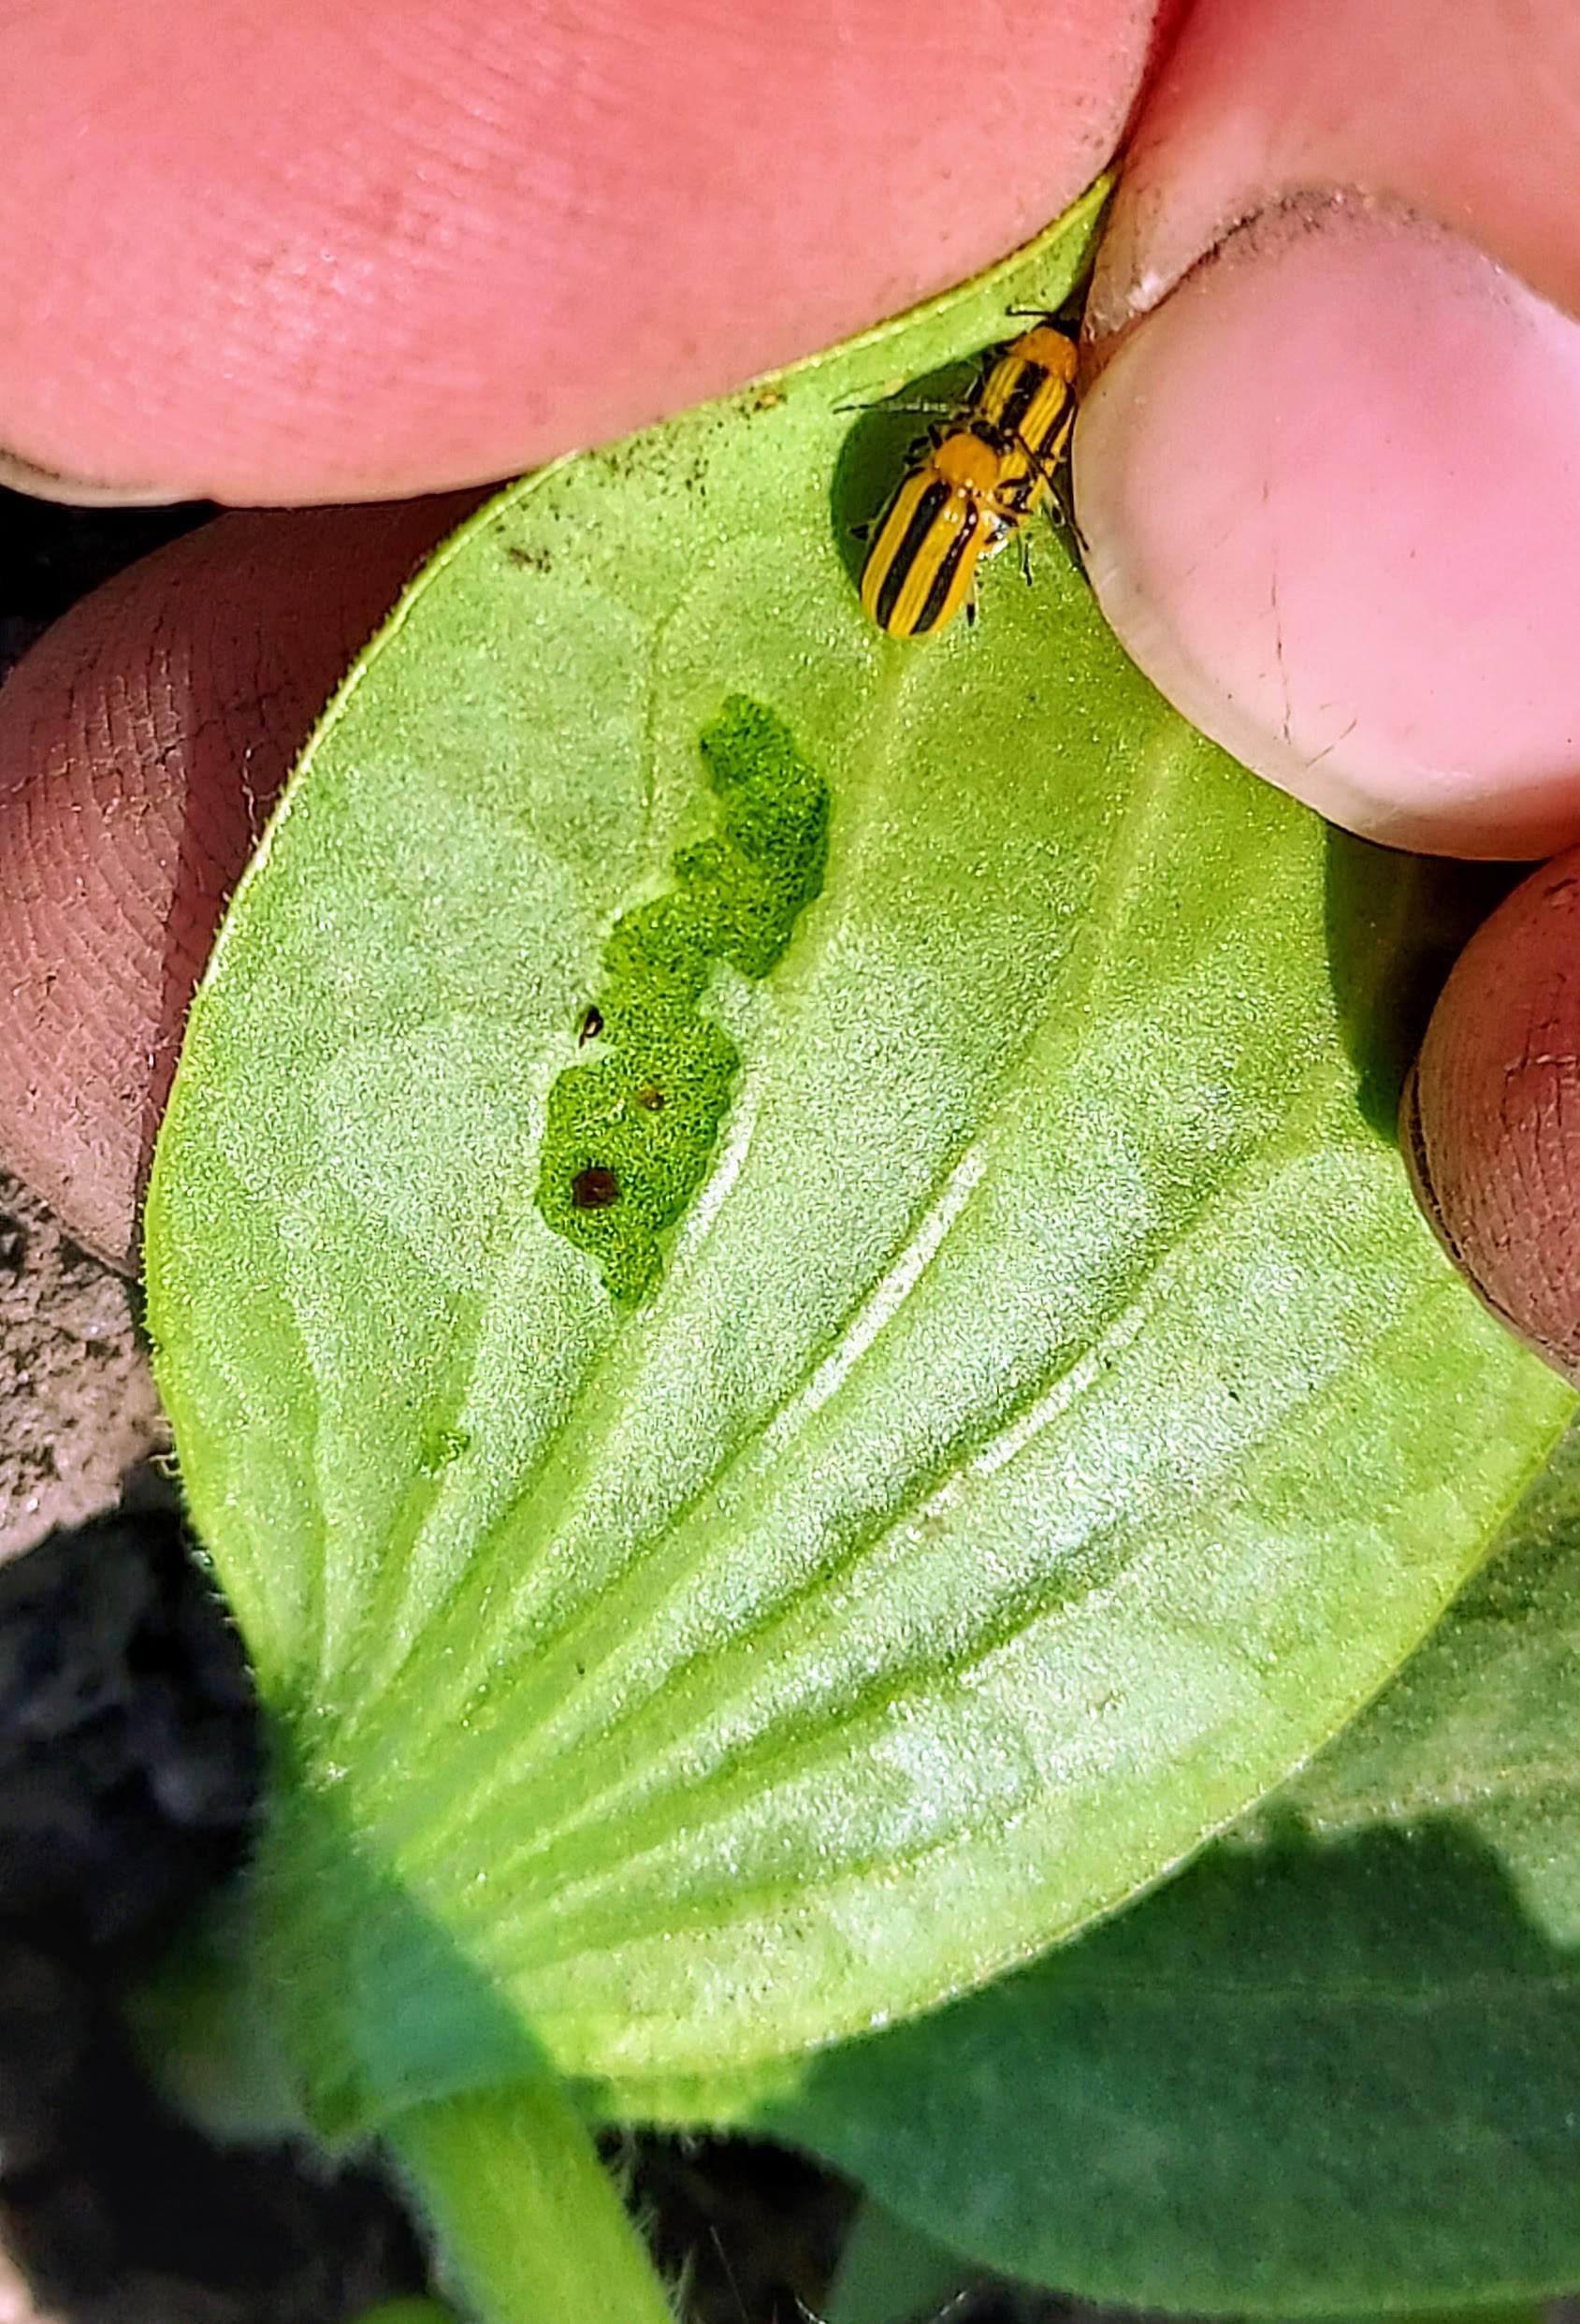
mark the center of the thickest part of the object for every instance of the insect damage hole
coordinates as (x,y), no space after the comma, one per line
(631,1133)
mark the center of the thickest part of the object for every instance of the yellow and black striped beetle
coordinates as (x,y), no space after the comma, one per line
(946,516)
(1027,404)
(974,488)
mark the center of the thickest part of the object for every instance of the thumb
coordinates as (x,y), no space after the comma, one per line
(1330,470)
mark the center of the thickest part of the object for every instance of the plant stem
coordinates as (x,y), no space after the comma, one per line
(529,2227)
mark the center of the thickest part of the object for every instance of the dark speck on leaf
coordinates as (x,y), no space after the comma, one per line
(652,1098)
(595,1188)
(592,1024)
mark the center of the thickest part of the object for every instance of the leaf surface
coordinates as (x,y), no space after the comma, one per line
(1332,2067)
(1046,1420)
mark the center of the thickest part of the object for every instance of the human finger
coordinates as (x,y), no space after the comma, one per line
(329,252)
(1330,465)
(142,742)
(1490,1119)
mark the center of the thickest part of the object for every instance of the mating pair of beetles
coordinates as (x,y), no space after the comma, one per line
(976,487)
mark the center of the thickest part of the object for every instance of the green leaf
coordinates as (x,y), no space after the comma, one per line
(1478,1730)
(1049,1418)
(1330,2069)
(889,2273)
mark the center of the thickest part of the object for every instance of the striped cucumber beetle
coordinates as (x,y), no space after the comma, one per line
(974,488)
(1027,404)
(947,515)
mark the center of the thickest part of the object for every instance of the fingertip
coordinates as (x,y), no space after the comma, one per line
(142,741)
(339,251)
(1490,1118)
(1330,487)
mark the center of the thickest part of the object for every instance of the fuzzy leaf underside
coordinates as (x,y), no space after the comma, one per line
(1046,1420)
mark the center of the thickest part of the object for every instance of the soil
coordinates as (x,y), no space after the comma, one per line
(129,1759)
(78,1403)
